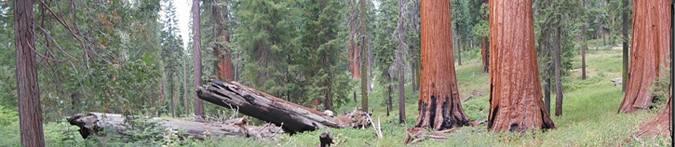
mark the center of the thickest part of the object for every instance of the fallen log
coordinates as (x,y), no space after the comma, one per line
(290,116)
(93,124)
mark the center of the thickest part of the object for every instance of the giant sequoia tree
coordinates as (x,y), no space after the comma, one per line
(515,91)
(440,106)
(649,51)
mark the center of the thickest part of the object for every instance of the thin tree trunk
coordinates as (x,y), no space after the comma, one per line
(186,100)
(459,52)
(440,106)
(390,89)
(649,52)
(401,31)
(584,46)
(557,61)
(162,94)
(624,31)
(364,60)
(197,53)
(547,91)
(515,89)
(558,75)
(30,111)
(172,95)
(401,94)
(389,100)
(485,55)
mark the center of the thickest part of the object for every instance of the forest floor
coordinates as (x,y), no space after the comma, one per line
(589,117)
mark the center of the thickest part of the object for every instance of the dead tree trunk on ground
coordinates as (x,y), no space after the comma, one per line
(291,117)
(93,124)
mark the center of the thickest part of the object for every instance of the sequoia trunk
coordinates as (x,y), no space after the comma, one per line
(515,89)
(440,106)
(649,51)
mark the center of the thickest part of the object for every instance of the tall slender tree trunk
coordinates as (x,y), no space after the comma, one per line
(172,95)
(197,55)
(649,52)
(389,100)
(186,100)
(364,56)
(547,91)
(484,47)
(401,32)
(624,31)
(557,62)
(440,106)
(584,46)
(401,86)
(485,55)
(459,52)
(558,75)
(30,111)
(515,89)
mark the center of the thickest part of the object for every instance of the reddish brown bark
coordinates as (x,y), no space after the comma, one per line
(515,90)
(659,126)
(440,107)
(30,111)
(649,51)
(224,63)
(353,48)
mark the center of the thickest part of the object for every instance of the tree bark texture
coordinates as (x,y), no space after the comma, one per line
(291,117)
(352,46)
(649,52)
(558,75)
(659,126)
(515,89)
(92,125)
(30,111)
(197,55)
(224,63)
(440,106)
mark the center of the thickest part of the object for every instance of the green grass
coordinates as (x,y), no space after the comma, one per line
(589,117)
